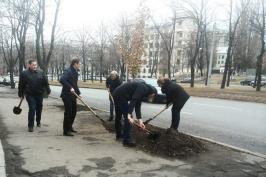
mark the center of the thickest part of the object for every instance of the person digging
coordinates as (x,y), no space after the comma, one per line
(132,92)
(176,95)
(112,82)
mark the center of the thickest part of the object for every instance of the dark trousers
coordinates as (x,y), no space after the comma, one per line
(111,107)
(35,106)
(121,108)
(176,109)
(70,104)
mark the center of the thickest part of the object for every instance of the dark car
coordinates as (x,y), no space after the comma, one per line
(160,97)
(246,81)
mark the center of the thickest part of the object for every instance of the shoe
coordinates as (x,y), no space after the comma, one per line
(111,118)
(38,124)
(74,131)
(30,129)
(68,134)
(129,144)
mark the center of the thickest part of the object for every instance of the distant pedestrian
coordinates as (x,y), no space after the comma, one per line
(112,82)
(69,80)
(33,84)
(176,95)
(132,92)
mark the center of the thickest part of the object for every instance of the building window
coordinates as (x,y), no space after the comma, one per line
(222,56)
(144,70)
(218,62)
(180,34)
(151,45)
(222,62)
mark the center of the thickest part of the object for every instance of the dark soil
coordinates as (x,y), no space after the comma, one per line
(170,143)
(167,143)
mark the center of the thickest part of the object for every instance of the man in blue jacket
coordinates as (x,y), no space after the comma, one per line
(69,81)
(132,92)
(33,83)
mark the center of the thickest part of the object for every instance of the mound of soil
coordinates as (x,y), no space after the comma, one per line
(169,143)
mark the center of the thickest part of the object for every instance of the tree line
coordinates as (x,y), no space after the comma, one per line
(24,34)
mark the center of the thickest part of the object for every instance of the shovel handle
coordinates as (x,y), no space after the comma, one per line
(146,130)
(111,96)
(85,104)
(150,119)
(22,98)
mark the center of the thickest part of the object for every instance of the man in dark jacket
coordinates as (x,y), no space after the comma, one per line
(112,82)
(69,81)
(33,83)
(132,92)
(176,95)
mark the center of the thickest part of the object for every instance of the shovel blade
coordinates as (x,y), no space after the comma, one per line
(17,110)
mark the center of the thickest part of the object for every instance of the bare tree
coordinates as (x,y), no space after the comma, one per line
(232,41)
(167,33)
(44,55)
(196,13)
(259,26)
(8,48)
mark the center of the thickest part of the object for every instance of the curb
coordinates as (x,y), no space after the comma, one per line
(2,162)
(230,146)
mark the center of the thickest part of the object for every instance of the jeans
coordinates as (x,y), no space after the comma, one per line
(121,108)
(175,116)
(70,104)
(35,106)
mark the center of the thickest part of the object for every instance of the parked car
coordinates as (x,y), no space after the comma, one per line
(160,97)
(246,81)
(186,80)
(263,83)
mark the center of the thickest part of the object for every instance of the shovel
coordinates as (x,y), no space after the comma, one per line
(150,119)
(152,136)
(94,113)
(111,96)
(17,109)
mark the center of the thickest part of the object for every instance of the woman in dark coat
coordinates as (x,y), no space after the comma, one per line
(176,95)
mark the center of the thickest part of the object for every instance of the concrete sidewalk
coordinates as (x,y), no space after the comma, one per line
(93,151)
(2,161)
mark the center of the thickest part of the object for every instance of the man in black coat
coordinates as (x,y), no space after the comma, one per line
(33,83)
(112,82)
(69,81)
(176,95)
(132,92)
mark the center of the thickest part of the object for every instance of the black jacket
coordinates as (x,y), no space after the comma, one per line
(33,83)
(112,84)
(69,79)
(133,92)
(175,94)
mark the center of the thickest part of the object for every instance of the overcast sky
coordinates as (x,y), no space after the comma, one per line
(76,14)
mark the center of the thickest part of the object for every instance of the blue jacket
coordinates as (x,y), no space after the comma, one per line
(69,79)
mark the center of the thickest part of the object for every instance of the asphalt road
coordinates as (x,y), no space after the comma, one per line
(241,124)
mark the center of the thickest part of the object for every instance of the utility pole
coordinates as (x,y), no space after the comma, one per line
(211,55)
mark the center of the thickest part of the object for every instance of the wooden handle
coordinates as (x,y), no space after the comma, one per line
(111,96)
(22,98)
(84,103)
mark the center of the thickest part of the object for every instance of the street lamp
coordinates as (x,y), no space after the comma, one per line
(211,55)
